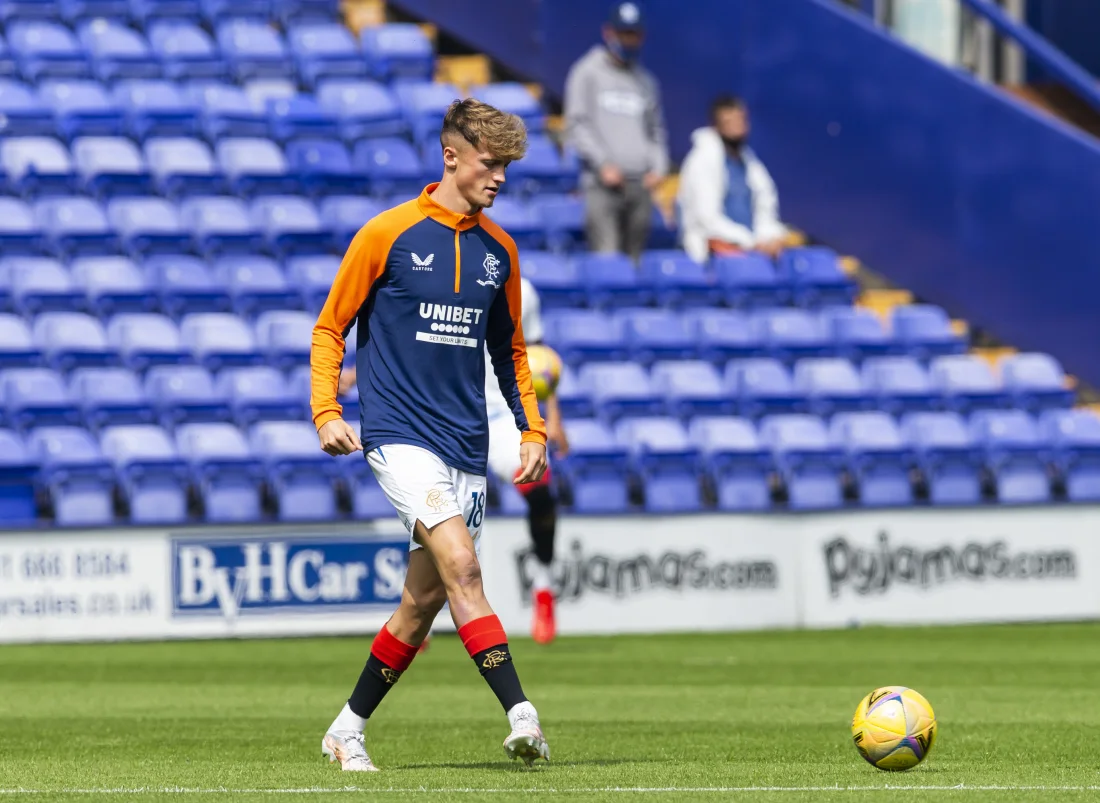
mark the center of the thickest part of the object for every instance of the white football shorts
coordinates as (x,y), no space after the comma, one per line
(421,487)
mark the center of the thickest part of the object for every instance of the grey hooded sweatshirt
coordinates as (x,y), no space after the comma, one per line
(613,116)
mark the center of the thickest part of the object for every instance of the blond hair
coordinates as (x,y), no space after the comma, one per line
(485,127)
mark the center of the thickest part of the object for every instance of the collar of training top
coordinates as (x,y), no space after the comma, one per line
(442,214)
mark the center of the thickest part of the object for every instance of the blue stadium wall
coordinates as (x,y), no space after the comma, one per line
(951,188)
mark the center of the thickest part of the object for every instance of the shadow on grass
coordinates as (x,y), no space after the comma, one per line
(516,766)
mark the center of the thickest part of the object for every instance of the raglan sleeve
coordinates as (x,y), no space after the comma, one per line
(508,354)
(362,266)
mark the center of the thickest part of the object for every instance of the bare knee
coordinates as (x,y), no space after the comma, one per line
(464,577)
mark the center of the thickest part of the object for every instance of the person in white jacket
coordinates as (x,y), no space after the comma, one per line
(728,201)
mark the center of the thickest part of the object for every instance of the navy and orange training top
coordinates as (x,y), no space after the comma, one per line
(430,289)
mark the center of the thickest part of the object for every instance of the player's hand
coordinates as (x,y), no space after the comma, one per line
(337,437)
(772,248)
(651,181)
(555,436)
(532,460)
(611,176)
(347,380)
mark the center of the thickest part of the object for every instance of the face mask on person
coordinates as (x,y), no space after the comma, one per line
(734,143)
(625,54)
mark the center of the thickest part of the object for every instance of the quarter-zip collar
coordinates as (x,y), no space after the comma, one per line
(441,214)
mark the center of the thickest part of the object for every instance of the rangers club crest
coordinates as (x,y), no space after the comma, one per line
(492,275)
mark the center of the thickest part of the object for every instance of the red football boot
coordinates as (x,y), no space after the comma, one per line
(544,629)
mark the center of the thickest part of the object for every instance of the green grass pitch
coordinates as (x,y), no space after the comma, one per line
(759,716)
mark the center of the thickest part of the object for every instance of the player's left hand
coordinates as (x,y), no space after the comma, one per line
(532,460)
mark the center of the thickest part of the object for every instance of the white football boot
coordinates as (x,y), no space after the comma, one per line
(526,740)
(348,748)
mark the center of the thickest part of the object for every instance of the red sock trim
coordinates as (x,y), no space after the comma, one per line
(479,635)
(391,651)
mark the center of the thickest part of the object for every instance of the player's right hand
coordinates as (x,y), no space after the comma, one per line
(611,176)
(337,437)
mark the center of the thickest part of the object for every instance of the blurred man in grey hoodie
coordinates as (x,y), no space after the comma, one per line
(614,121)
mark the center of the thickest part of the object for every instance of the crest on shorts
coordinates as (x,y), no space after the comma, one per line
(435,500)
(492,275)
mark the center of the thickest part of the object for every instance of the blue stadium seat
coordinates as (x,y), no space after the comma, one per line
(75,226)
(542,169)
(221,225)
(7,63)
(285,337)
(679,280)
(149,13)
(967,383)
(73,11)
(109,396)
(256,284)
(735,460)
(362,109)
(612,281)
(858,333)
(219,340)
(520,219)
(816,277)
(185,393)
(555,277)
(925,331)
(82,108)
(256,11)
(112,285)
(37,166)
(157,109)
(513,98)
(186,50)
(585,335)
(313,275)
(573,397)
(424,104)
(17,349)
(807,461)
(261,393)
(325,167)
(762,386)
(900,384)
(663,232)
(185,284)
(724,335)
(110,166)
(297,470)
(391,165)
(620,389)
(36,397)
(146,339)
(791,334)
(397,51)
(831,385)
(666,461)
(1036,382)
(223,470)
(368,500)
(1075,437)
(72,340)
(658,334)
(16,10)
(691,388)
(18,471)
(148,226)
(751,281)
(291,13)
(46,50)
(1017,455)
(151,474)
(19,231)
(299,116)
(878,457)
(39,284)
(22,113)
(596,468)
(77,476)
(947,456)
(117,52)
(255,166)
(253,49)
(563,219)
(344,215)
(432,165)
(326,50)
(182,166)
(290,225)
(227,112)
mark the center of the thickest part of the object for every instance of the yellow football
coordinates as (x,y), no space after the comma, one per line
(894,728)
(545,370)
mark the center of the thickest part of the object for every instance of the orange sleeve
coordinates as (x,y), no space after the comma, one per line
(363,264)
(536,427)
